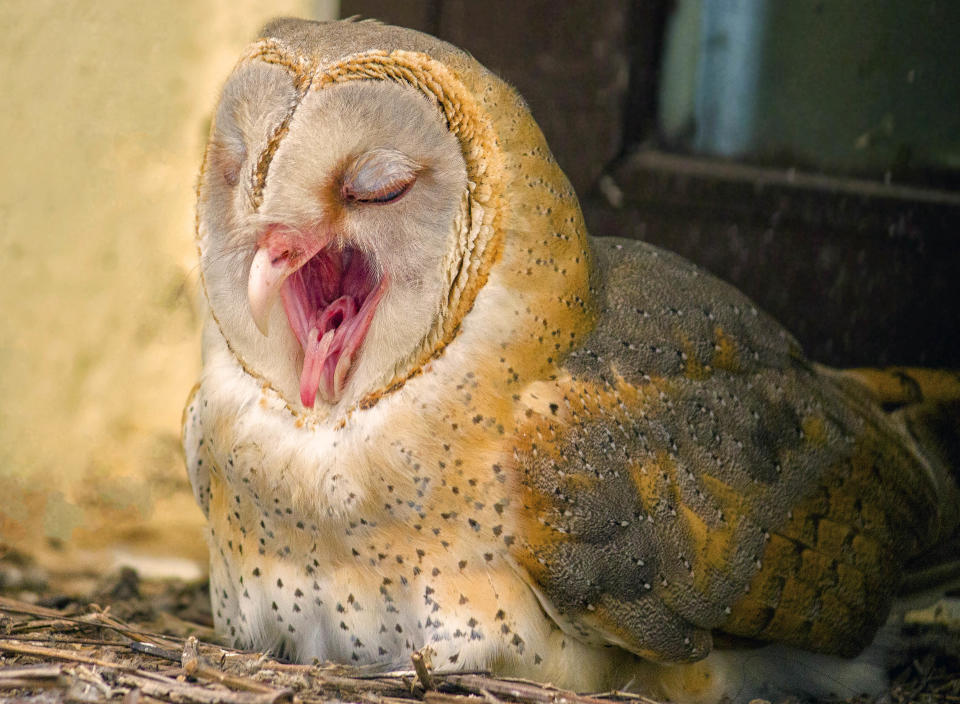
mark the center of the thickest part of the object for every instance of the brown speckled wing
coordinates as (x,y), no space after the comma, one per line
(693,474)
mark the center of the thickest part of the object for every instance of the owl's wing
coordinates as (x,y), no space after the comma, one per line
(693,475)
(197,450)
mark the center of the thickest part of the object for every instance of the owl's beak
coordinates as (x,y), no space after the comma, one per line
(263,287)
(280,252)
(330,294)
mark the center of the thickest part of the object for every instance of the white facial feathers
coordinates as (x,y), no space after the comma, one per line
(369,167)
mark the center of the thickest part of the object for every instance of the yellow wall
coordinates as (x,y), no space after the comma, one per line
(106,107)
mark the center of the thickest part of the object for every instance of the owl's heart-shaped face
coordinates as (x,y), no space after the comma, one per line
(434,410)
(326,215)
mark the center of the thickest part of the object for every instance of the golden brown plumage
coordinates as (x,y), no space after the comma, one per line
(543,444)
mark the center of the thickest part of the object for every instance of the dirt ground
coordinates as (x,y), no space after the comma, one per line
(84,637)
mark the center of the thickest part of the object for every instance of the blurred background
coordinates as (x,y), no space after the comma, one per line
(106,111)
(809,152)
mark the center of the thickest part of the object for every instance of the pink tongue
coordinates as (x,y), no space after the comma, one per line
(314,355)
(325,338)
(331,343)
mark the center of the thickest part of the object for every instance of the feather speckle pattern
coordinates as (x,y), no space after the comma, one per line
(435,412)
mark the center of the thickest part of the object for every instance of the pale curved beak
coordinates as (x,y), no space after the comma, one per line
(263,287)
(280,252)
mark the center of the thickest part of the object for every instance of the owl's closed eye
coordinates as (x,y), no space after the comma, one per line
(434,411)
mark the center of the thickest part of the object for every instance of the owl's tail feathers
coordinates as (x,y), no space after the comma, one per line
(934,425)
(896,387)
(925,405)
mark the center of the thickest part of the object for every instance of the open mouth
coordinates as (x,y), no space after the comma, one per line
(330,302)
(329,298)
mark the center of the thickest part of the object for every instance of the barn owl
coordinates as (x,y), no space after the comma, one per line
(434,412)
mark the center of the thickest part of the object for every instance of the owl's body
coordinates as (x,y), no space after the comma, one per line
(516,445)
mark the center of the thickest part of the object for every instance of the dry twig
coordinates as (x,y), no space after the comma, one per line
(52,651)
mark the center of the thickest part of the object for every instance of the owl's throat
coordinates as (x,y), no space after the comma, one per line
(330,302)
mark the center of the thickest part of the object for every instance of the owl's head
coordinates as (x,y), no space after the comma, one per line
(349,205)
